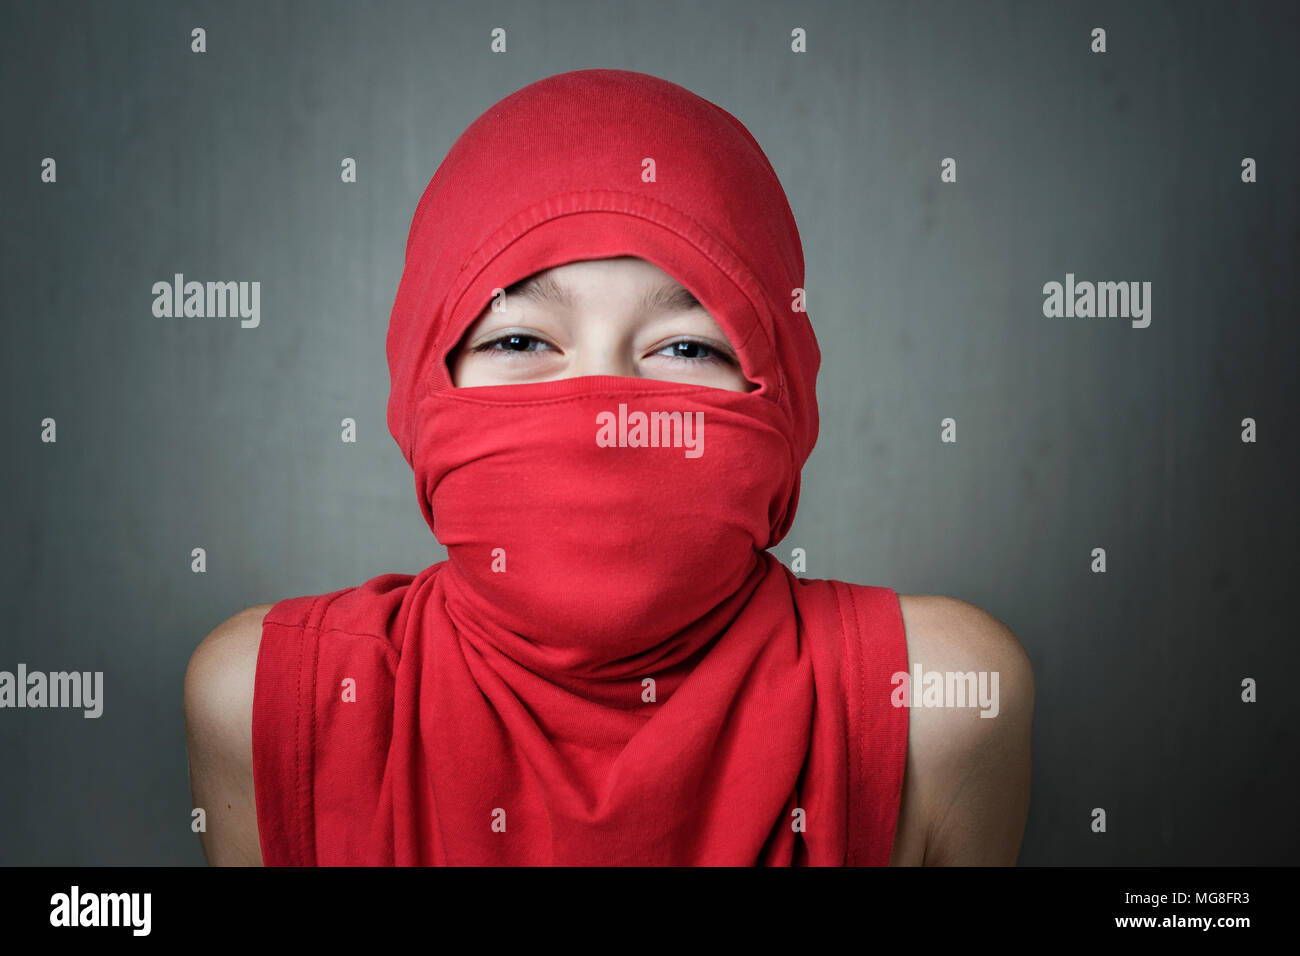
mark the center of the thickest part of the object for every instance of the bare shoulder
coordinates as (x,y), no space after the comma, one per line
(218,701)
(956,632)
(966,784)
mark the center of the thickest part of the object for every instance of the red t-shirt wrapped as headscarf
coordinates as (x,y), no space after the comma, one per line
(609,668)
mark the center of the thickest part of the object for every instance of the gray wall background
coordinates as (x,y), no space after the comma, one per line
(1073,433)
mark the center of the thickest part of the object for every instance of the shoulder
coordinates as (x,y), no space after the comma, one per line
(953,633)
(966,783)
(230,641)
(219,677)
(218,704)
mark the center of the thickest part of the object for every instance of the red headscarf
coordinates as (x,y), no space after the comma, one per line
(609,668)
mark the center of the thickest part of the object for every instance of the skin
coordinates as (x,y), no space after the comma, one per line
(603,330)
(965,794)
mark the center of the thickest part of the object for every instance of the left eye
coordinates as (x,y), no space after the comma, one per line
(687,349)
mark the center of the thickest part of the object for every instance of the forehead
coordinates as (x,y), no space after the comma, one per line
(568,285)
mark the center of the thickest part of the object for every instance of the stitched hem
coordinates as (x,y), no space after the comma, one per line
(877,730)
(283,733)
(884,727)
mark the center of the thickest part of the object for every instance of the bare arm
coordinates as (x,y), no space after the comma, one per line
(966,785)
(218,734)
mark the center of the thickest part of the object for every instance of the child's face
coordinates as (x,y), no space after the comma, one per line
(596,317)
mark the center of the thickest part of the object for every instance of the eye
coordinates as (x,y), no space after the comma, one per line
(689,350)
(513,343)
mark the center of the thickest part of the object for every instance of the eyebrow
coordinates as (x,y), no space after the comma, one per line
(669,297)
(542,288)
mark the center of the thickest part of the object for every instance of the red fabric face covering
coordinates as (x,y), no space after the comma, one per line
(609,668)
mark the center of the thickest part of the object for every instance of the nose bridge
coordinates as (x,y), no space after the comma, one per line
(603,346)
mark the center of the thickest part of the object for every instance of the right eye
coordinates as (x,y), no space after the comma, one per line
(512,343)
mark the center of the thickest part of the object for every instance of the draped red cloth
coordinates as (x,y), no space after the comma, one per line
(609,667)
